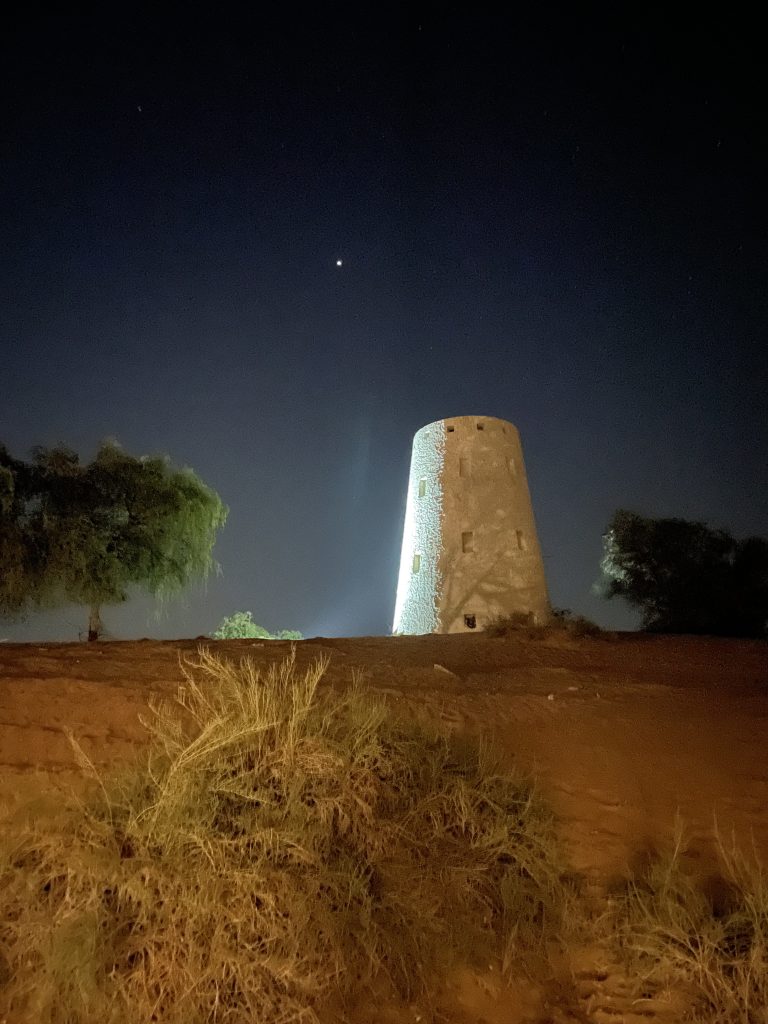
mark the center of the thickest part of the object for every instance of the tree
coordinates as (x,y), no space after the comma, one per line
(20,568)
(88,534)
(685,577)
(240,626)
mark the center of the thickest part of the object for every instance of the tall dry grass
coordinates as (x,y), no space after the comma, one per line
(278,845)
(708,938)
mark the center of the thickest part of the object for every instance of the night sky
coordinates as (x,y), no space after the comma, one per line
(558,222)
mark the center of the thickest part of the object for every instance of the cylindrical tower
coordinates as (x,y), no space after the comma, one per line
(470,550)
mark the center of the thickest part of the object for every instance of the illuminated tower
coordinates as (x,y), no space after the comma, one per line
(470,550)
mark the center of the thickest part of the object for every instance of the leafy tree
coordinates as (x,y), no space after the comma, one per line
(685,577)
(87,534)
(20,567)
(240,626)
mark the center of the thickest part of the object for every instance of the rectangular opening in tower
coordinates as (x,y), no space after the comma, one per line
(422,487)
(416,563)
(470,621)
(521,544)
(481,426)
(511,467)
(450,429)
(464,467)
(467,541)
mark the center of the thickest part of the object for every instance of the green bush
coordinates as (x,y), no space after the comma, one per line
(278,846)
(241,626)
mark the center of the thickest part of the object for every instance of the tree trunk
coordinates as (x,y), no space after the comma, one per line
(94,623)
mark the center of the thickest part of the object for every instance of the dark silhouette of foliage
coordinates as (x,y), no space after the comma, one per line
(87,534)
(686,577)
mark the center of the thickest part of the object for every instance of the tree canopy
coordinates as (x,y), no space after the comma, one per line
(686,577)
(89,533)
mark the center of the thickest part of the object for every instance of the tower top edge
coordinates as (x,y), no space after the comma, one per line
(458,422)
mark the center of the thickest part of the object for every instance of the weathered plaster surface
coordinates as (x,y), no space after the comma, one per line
(415,608)
(473,529)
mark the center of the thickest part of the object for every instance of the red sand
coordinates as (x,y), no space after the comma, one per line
(623,732)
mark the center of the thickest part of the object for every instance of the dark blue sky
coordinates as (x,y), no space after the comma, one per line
(557,222)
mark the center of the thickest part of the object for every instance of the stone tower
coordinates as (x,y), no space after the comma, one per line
(470,550)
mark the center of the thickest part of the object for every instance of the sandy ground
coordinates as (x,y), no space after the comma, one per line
(624,732)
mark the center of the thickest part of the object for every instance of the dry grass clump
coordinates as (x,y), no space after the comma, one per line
(507,625)
(278,845)
(575,625)
(709,939)
(521,623)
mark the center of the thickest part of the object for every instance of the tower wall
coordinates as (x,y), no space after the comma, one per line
(470,550)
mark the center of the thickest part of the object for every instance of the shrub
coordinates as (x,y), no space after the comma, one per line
(575,625)
(504,625)
(240,626)
(521,623)
(711,940)
(277,846)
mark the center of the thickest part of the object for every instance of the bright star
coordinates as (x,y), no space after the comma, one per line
(338,263)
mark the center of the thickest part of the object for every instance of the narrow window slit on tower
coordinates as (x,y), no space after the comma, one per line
(422,487)
(416,563)
(520,540)
(467,541)
(450,429)
(481,426)
(511,467)
(464,469)
(470,621)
